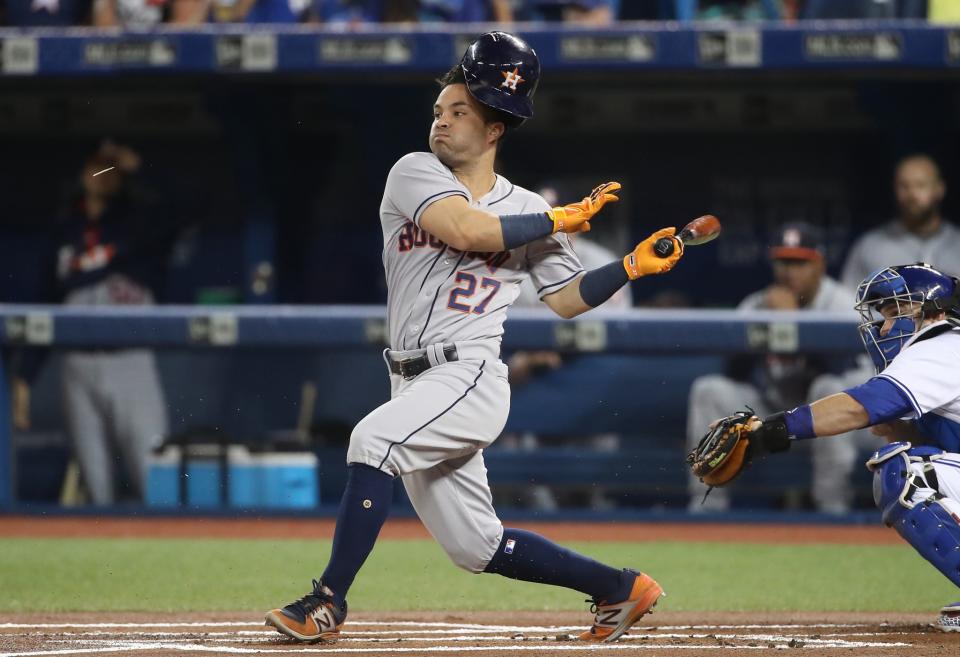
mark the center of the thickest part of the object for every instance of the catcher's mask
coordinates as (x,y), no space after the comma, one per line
(904,294)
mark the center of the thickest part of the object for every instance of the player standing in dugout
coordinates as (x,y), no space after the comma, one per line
(458,241)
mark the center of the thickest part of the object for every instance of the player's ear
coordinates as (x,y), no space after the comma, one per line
(495,130)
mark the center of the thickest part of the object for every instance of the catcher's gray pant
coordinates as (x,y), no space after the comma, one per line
(113,402)
(714,396)
(432,434)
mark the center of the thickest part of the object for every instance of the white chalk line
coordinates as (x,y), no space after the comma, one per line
(191,647)
(648,638)
(17,626)
(457,626)
(269,634)
(75,651)
(644,638)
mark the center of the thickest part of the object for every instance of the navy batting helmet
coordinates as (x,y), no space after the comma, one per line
(502,72)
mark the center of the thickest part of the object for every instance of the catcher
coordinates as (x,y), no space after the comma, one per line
(910,327)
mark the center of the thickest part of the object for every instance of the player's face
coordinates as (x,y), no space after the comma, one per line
(892,311)
(919,191)
(458,133)
(802,277)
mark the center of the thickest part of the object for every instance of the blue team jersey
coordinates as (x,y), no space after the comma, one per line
(943,432)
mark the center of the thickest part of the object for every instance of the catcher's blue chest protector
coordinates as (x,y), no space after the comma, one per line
(931,522)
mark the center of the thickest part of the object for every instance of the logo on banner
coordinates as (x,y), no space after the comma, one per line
(150,52)
(878,46)
(742,47)
(347,50)
(247,52)
(953,46)
(633,48)
(19,55)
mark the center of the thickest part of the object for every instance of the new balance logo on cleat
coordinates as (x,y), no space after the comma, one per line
(314,618)
(609,618)
(613,620)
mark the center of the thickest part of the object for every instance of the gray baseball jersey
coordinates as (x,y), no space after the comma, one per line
(433,430)
(436,293)
(893,244)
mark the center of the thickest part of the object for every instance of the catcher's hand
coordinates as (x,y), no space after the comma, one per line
(723,452)
(575,218)
(643,261)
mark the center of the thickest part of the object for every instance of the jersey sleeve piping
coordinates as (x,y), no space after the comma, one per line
(906,391)
(551,285)
(433,199)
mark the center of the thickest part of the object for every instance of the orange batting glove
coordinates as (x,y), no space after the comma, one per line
(643,261)
(575,218)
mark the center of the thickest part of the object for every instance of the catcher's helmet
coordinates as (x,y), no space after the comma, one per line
(903,294)
(502,72)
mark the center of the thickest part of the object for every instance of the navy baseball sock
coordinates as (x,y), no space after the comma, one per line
(532,558)
(363,510)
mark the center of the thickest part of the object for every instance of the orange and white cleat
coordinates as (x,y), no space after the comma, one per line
(314,618)
(613,620)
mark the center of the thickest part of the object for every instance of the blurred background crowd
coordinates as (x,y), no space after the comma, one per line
(353,13)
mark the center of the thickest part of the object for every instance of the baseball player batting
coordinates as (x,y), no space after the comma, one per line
(458,241)
(911,329)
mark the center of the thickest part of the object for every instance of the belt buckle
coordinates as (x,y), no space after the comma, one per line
(402,364)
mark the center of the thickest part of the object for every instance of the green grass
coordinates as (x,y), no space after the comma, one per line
(181,575)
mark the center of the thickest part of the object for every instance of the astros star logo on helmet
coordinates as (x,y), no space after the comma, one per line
(511,79)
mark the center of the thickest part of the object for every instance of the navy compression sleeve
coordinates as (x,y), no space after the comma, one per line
(520,229)
(883,400)
(598,285)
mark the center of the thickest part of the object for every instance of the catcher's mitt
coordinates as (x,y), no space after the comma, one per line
(724,452)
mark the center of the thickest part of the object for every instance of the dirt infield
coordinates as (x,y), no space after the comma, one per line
(489,633)
(14,526)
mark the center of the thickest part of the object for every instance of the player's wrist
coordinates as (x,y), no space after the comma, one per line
(598,285)
(520,229)
(771,436)
(568,220)
(799,422)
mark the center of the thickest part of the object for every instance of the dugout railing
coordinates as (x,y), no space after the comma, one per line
(631,366)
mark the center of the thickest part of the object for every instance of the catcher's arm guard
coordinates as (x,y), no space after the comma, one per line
(732,443)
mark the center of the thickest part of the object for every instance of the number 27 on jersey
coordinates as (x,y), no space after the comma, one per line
(461,297)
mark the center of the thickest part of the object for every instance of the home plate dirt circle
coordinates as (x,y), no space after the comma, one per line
(488,633)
